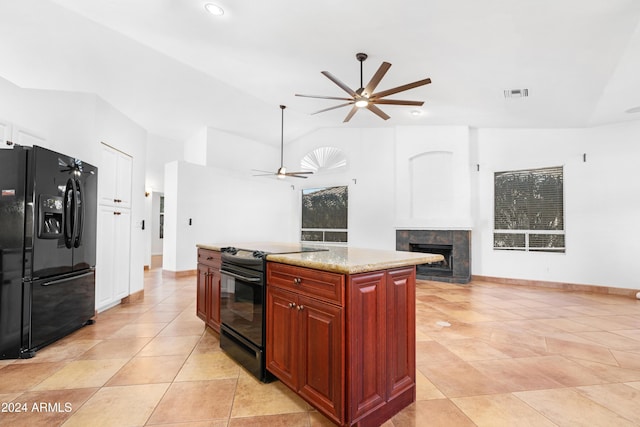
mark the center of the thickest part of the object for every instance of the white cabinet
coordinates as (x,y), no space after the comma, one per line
(115,177)
(112,257)
(19,135)
(114,227)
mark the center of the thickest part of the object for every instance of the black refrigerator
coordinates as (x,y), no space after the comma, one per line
(47,248)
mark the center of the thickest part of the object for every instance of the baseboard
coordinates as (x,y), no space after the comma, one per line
(178,274)
(559,285)
(134,297)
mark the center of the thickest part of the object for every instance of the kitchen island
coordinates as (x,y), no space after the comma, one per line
(340,329)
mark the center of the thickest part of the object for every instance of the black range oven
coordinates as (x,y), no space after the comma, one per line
(242,313)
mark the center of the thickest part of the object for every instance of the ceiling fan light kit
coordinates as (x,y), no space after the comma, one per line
(365,97)
(282,173)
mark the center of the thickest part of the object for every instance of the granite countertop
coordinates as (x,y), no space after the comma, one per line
(337,259)
(348,260)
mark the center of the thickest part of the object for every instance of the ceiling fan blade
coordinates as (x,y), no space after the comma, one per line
(378,111)
(351,113)
(325,97)
(339,83)
(371,86)
(265,174)
(297,174)
(333,108)
(300,173)
(397,102)
(400,89)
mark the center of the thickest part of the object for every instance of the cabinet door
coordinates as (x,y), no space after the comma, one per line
(321,352)
(282,336)
(201,285)
(115,177)
(367,342)
(401,331)
(107,181)
(105,261)
(123,180)
(122,253)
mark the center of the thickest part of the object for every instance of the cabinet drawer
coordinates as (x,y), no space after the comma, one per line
(320,284)
(209,257)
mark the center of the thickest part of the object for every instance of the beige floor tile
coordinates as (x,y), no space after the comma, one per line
(169,346)
(46,408)
(82,374)
(500,410)
(608,373)
(208,343)
(139,330)
(119,406)
(255,398)
(568,408)
(432,413)
(119,348)
(425,390)
(635,384)
(516,374)
(183,328)
(280,420)
(62,351)
(590,352)
(17,377)
(620,398)
(611,340)
(208,366)
(157,316)
(148,370)
(457,379)
(195,401)
(473,349)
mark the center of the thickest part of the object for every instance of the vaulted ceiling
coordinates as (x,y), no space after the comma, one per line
(174,69)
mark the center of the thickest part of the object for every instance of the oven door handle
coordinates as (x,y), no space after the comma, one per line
(237,276)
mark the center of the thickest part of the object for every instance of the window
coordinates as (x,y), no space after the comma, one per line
(324,214)
(529,210)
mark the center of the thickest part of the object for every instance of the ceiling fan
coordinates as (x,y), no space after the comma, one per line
(281,173)
(364,97)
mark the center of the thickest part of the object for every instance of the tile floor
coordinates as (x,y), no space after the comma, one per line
(487,355)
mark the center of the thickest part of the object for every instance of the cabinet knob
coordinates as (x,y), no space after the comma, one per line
(292,305)
(300,307)
(117,213)
(209,258)
(297,280)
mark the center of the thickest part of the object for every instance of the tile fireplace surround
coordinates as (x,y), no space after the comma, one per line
(461,253)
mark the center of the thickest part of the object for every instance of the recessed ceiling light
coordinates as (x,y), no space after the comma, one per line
(516,93)
(416,112)
(633,110)
(214,9)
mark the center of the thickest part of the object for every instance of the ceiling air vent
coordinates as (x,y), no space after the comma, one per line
(516,93)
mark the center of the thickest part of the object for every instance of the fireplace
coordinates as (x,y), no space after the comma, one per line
(454,245)
(442,268)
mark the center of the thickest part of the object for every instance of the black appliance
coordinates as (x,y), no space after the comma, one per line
(48,207)
(242,297)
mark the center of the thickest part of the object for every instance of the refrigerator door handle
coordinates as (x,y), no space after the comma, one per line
(69,211)
(79,214)
(66,279)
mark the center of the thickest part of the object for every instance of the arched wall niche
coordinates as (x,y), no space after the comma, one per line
(431,184)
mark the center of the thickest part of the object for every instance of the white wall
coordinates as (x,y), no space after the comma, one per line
(224,206)
(159,152)
(602,206)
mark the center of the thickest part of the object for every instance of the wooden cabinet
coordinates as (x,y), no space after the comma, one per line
(345,343)
(208,288)
(305,348)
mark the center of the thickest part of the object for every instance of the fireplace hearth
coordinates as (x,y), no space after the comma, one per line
(454,245)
